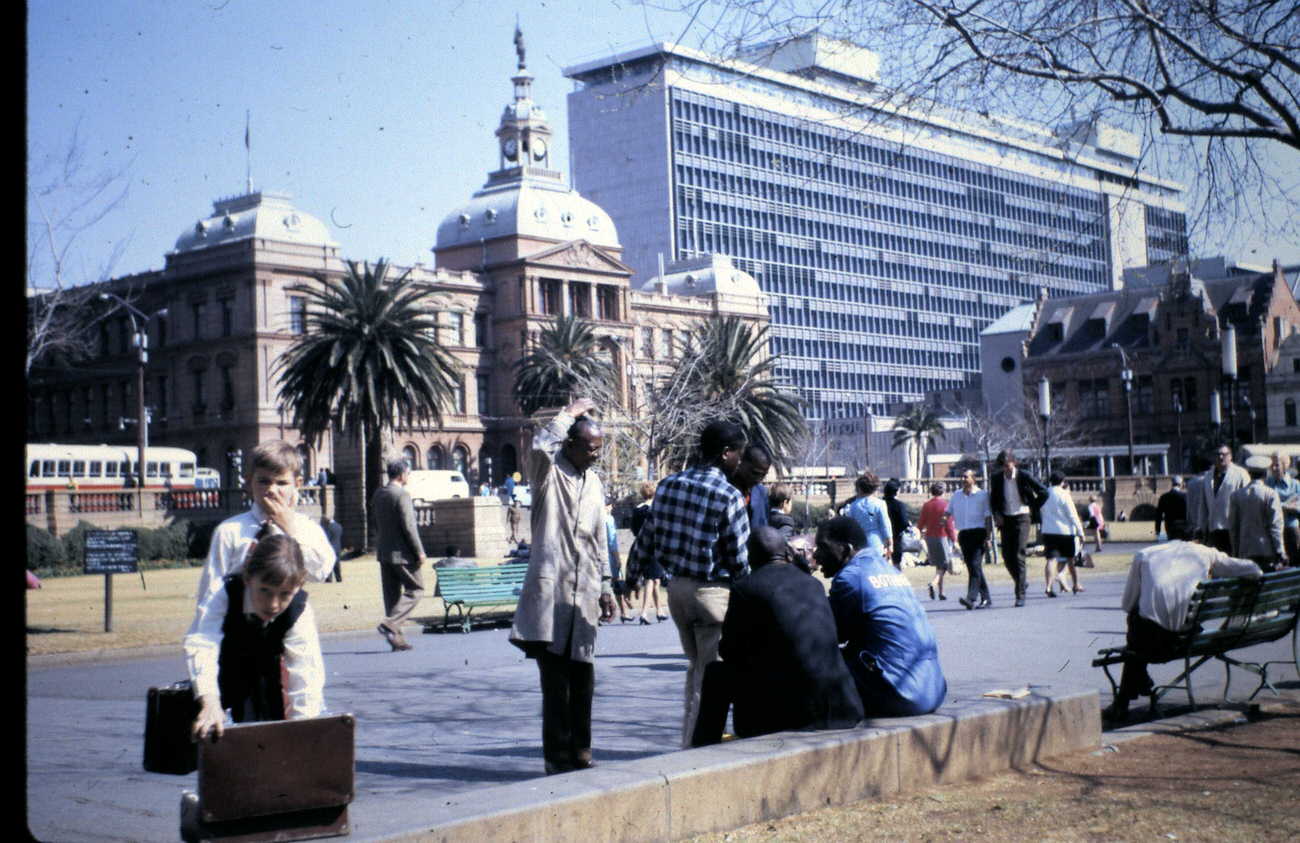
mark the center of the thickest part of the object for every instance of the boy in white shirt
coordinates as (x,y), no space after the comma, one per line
(245,632)
(274,475)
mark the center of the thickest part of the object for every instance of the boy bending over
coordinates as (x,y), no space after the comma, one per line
(242,634)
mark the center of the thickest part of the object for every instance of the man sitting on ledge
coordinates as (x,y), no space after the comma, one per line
(781,667)
(891,650)
(1160,584)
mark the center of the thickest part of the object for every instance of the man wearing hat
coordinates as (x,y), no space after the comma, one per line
(1255,519)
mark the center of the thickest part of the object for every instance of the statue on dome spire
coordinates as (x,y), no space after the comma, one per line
(519,44)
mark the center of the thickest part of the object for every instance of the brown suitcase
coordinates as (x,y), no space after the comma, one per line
(168,718)
(287,780)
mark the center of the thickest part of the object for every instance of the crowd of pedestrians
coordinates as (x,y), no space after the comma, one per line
(762,638)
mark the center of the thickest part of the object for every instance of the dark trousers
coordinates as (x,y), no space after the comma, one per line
(567,690)
(1150,642)
(971,543)
(1015,533)
(1291,540)
(1220,540)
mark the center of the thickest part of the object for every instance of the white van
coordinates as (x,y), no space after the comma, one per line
(435,485)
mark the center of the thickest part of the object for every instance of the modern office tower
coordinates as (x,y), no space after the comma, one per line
(885,238)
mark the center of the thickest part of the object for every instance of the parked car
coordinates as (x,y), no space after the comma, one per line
(427,486)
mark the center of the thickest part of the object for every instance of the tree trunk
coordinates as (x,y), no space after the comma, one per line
(365,493)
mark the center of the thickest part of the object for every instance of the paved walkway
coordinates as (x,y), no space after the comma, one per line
(463,711)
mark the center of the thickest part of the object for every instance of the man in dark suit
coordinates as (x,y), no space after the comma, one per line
(1014,497)
(400,553)
(781,666)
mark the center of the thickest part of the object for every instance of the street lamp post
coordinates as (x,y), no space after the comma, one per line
(1229,351)
(1045,412)
(1178,413)
(1126,374)
(1216,413)
(140,340)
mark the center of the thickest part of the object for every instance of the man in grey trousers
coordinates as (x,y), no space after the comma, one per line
(400,553)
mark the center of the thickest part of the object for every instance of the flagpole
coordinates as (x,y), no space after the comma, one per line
(248,150)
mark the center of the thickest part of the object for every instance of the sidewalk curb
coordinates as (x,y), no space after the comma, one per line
(676,794)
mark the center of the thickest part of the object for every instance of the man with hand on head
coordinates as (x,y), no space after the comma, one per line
(567,590)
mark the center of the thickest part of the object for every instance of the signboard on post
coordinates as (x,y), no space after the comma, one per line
(111,552)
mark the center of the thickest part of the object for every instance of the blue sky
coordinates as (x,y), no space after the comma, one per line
(376,116)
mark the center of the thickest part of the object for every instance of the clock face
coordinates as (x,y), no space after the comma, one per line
(539,148)
(510,148)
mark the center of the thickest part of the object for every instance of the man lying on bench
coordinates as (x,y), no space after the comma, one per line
(1160,585)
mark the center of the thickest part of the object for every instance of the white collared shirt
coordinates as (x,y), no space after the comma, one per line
(234,536)
(970,511)
(1011,502)
(303,666)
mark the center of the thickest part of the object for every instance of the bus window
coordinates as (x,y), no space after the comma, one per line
(47,468)
(166,468)
(187,470)
(79,468)
(128,469)
(65,468)
(110,469)
(96,468)
(35,470)
(151,468)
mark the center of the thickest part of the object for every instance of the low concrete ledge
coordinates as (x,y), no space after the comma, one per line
(677,794)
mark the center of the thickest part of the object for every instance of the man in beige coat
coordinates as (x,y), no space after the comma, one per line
(1256,519)
(1211,504)
(567,590)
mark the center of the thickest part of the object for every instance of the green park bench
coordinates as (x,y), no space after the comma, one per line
(467,589)
(1226,615)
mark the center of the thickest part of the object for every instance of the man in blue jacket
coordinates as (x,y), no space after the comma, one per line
(891,650)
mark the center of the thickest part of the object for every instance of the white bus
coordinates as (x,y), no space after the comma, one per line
(51,466)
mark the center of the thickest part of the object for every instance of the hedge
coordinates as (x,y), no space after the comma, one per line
(177,545)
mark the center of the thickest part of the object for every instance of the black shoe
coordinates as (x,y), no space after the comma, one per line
(969,605)
(1051,593)
(931,591)
(643,621)
(1020,601)
(1116,712)
(984,604)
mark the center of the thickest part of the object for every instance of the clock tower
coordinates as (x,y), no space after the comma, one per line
(524,136)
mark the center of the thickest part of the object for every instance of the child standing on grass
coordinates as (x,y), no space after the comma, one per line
(247,631)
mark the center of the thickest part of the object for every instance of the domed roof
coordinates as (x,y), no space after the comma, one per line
(703,276)
(263,215)
(529,208)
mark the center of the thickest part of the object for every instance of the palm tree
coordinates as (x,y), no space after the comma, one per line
(566,359)
(368,357)
(727,368)
(918,427)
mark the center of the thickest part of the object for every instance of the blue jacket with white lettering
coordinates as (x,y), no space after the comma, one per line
(891,650)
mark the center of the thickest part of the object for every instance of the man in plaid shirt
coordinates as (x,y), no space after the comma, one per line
(697,530)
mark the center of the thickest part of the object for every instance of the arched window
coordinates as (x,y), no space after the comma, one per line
(1288,409)
(411,456)
(437,458)
(460,459)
